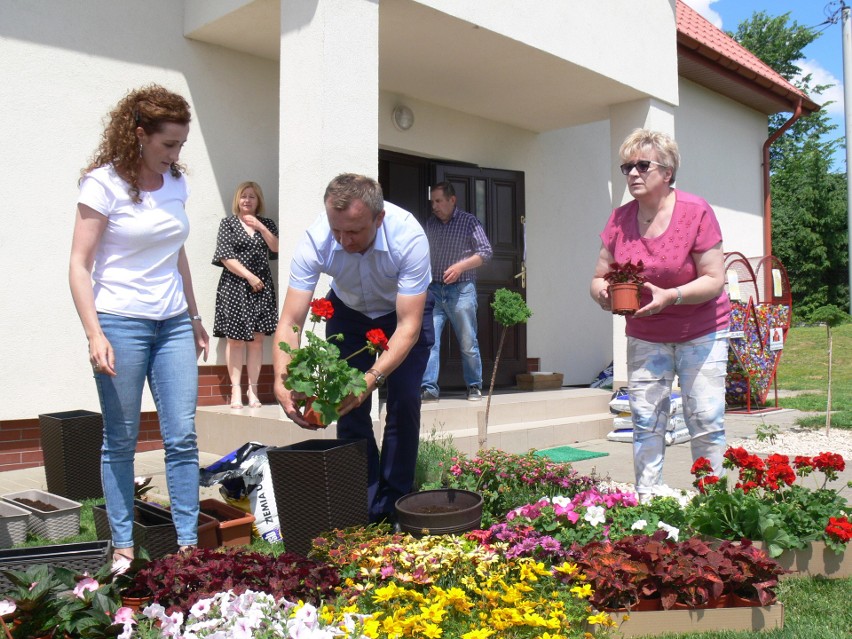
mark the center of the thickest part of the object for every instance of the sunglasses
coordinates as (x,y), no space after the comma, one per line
(642,166)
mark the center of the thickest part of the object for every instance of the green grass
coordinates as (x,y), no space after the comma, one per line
(804,366)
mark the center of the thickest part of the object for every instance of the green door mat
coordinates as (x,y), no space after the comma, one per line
(562,454)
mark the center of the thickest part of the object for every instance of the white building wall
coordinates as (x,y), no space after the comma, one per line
(721,144)
(63,66)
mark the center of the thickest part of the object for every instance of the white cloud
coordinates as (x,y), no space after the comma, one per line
(704,9)
(820,75)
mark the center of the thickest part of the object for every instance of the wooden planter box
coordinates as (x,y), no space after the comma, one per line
(13,524)
(71,444)
(55,524)
(815,560)
(659,622)
(233,526)
(87,556)
(319,485)
(154,529)
(539,381)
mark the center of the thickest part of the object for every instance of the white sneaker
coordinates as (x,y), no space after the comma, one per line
(474,394)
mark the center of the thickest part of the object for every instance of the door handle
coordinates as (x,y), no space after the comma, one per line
(523,275)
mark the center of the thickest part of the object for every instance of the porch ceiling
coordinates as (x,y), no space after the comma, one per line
(428,55)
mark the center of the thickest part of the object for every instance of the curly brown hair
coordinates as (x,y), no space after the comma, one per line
(150,107)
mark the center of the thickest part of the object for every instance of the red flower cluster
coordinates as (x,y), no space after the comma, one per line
(776,471)
(378,339)
(840,528)
(321,309)
(828,463)
(703,471)
(751,468)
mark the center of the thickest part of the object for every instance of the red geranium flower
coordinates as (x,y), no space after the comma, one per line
(321,309)
(832,461)
(840,528)
(709,480)
(378,339)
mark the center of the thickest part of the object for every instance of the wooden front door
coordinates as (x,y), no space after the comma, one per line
(496,197)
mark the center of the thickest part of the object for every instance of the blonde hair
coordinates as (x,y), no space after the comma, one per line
(662,143)
(235,207)
(347,187)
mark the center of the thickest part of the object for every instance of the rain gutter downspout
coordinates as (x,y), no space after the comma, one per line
(767,196)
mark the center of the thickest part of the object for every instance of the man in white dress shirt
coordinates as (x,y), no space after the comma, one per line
(378,257)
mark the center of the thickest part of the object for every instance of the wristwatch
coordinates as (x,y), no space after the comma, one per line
(195,318)
(380,379)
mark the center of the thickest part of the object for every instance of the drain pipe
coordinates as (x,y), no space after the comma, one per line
(767,196)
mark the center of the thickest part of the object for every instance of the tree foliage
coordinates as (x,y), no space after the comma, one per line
(809,225)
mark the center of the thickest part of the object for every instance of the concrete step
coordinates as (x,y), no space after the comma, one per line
(517,421)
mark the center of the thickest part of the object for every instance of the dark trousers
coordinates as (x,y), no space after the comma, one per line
(391,474)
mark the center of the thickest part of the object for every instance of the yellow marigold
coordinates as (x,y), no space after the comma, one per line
(431,631)
(567,569)
(582,592)
(601,619)
(479,633)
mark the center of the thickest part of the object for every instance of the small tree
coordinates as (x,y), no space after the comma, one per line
(831,316)
(509,309)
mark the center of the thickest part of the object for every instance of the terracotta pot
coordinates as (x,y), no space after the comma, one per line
(652,603)
(736,601)
(135,603)
(642,605)
(311,416)
(446,511)
(719,602)
(625,298)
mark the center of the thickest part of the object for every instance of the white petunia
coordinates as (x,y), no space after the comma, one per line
(673,532)
(639,524)
(595,515)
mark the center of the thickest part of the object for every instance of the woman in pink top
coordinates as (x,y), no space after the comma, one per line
(681,327)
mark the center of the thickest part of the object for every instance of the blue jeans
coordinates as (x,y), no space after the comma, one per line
(390,475)
(701,366)
(163,351)
(456,302)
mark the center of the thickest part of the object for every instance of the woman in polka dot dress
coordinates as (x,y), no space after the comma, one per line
(246,306)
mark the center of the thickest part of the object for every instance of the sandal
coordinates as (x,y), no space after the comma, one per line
(237,391)
(121,561)
(253,401)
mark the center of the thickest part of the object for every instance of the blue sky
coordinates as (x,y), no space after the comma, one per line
(823,57)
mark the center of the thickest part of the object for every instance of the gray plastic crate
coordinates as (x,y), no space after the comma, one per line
(56,524)
(13,524)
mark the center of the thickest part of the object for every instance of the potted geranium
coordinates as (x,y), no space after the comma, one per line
(317,371)
(767,505)
(625,281)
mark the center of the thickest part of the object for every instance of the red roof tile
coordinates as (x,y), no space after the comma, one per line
(705,45)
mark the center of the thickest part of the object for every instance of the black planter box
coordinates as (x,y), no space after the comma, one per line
(87,556)
(71,444)
(319,485)
(154,529)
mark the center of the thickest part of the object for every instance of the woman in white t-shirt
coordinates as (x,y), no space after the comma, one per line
(131,284)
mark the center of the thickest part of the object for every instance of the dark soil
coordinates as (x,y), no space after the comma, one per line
(37,504)
(432,510)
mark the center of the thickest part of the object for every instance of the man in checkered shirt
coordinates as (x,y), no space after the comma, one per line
(458,245)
